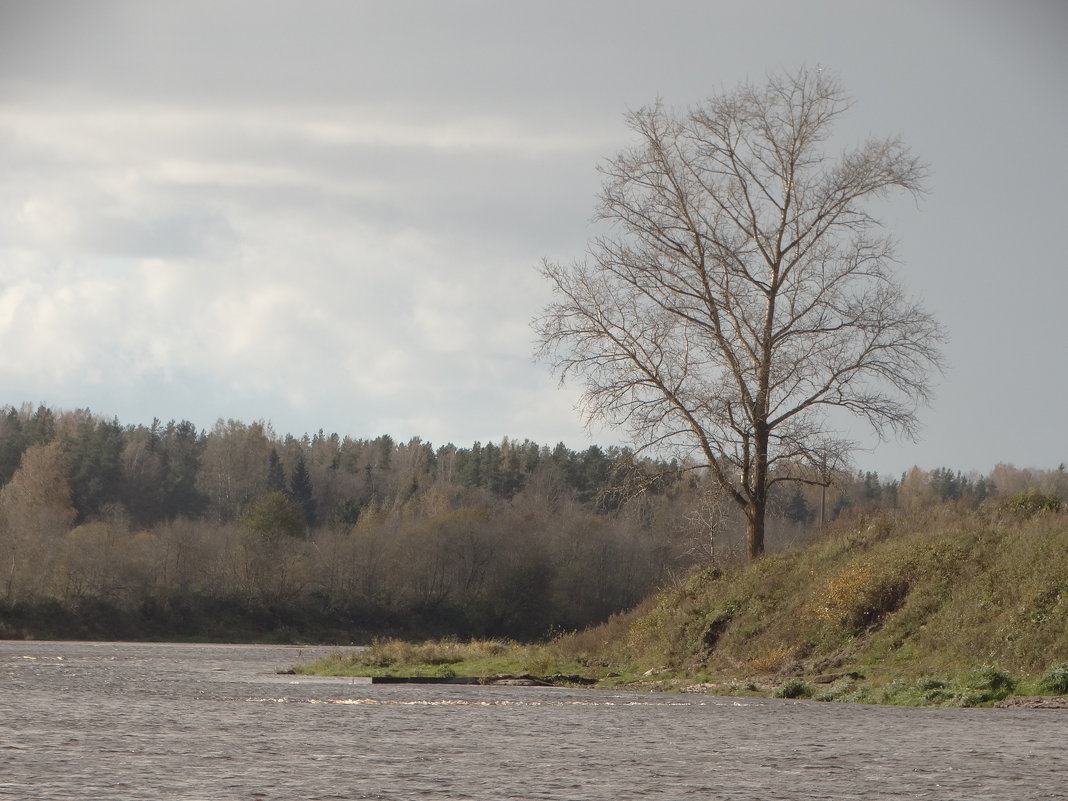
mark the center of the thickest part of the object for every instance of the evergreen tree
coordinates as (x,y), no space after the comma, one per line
(797,508)
(276,474)
(12,444)
(469,465)
(181,445)
(300,487)
(94,450)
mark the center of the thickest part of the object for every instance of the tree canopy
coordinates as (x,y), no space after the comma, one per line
(744,292)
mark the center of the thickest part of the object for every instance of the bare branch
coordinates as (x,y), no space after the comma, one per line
(745,290)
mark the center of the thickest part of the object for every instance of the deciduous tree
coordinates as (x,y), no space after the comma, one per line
(744,292)
(35,514)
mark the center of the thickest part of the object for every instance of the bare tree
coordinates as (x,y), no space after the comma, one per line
(744,291)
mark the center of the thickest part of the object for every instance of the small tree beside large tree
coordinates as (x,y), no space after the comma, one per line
(744,293)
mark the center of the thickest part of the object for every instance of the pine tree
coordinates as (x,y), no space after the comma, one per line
(276,474)
(300,487)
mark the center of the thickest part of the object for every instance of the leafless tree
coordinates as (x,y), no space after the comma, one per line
(744,291)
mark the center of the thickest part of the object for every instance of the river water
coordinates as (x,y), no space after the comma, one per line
(164,721)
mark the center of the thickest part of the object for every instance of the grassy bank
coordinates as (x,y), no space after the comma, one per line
(941,607)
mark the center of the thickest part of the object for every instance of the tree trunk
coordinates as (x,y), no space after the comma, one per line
(758,493)
(754,530)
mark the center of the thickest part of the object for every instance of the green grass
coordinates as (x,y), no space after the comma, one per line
(978,687)
(440,658)
(1054,680)
(887,597)
(940,608)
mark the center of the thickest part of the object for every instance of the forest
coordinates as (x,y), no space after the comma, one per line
(164,531)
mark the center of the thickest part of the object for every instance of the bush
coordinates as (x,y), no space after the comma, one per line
(937,696)
(986,684)
(772,660)
(846,688)
(1055,680)
(930,683)
(793,688)
(1032,501)
(274,516)
(858,596)
(934,691)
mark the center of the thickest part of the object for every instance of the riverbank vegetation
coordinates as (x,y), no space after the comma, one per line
(938,605)
(112,531)
(238,533)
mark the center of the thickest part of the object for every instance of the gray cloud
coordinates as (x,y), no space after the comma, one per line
(328,214)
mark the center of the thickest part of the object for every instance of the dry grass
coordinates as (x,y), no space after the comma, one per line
(772,661)
(908,594)
(947,607)
(429,658)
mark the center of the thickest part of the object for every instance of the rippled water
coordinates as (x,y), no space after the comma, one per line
(161,721)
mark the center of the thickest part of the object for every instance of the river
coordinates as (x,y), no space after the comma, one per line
(128,721)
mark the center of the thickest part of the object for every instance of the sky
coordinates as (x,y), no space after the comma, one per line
(329,215)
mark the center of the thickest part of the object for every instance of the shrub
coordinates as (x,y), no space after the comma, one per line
(969,698)
(930,683)
(937,696)
(1032,501)
(858,596)
(846,688)
(772,660)
(857,694)
(986,684)
(793,688)
(934,691)
(1055,680)
(274,516)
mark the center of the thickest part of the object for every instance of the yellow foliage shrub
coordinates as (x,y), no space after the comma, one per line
(856,595)
(771,661)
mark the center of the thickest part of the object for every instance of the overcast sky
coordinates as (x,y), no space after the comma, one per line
(329,214)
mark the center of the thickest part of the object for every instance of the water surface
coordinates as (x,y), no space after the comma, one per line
(163,721)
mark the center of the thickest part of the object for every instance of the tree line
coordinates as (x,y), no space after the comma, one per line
(167,530)
(183,526)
